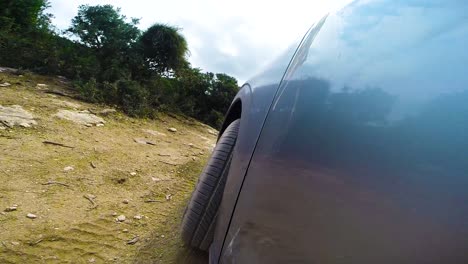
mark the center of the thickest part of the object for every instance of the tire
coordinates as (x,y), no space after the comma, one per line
(200,215)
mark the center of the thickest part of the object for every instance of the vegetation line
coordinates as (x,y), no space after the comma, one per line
(110,60)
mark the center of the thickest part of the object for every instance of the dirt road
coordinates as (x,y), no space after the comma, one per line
(103,192)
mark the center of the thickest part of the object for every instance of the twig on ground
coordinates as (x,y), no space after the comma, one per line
(90,198)
(55,182)
(33,243)
(56,144)
(169,163)
(5,124)
(93,165)
(153,201)
(57,92)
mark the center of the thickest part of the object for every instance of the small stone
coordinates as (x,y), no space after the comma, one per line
(190,145)
(89,125)
(31,216)
(11,208)
(125,201)
(25,125)
(162,236)
(168,197)
(92,260)
(133,240)
(120,218)
(68,168)
(137,217)
(194,159)
(14,243)
(155,179)
(133,173)
(5,84)
(114,214)
(100,125)
(172,129)
(125,230)
(201,152)
(41,85)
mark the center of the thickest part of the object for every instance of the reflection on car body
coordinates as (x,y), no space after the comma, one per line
(360,152)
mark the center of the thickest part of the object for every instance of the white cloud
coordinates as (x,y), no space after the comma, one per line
(235,37)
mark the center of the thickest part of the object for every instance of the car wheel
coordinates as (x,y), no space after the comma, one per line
(200,215)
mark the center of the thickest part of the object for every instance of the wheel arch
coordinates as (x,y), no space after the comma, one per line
(234,112)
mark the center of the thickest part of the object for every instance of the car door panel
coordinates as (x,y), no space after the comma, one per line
(362,158)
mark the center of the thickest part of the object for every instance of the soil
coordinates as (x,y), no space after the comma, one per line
(78,179)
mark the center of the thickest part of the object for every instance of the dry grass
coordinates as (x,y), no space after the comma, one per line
(68,229)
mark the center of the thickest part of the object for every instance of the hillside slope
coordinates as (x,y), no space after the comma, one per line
(77,179)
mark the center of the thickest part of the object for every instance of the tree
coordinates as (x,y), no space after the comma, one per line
(103,29)
(164,48)
(23,15)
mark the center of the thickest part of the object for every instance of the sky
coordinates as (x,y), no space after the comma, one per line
(238,38)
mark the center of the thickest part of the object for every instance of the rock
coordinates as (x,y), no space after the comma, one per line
(120,218)
(155,179)
(168,197)
(5,84)
(162,236)
(212,131)
(25,125)
(67,104)
(144,141)
(133,240)
(99,125)
(153,132)
(125,201)
(133,173)
(92,260)
(137,217)
(16,115)
(191,145)
(31,216)
(114,214)
(11,208)
(80,117)
(106,111)
(194,158)
(68,168)
(125,230)
(173,130)
(41,85)
(14,243)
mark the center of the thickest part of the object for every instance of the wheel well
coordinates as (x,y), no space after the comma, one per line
(234,113)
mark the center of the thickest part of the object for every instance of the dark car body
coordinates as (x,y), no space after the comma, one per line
(356,149)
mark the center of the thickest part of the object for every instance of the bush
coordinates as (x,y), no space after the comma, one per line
(90,91)
(132,98)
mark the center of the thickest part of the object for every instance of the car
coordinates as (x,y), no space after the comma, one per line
(352,148)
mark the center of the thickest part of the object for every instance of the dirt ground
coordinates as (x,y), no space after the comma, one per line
(77,190)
